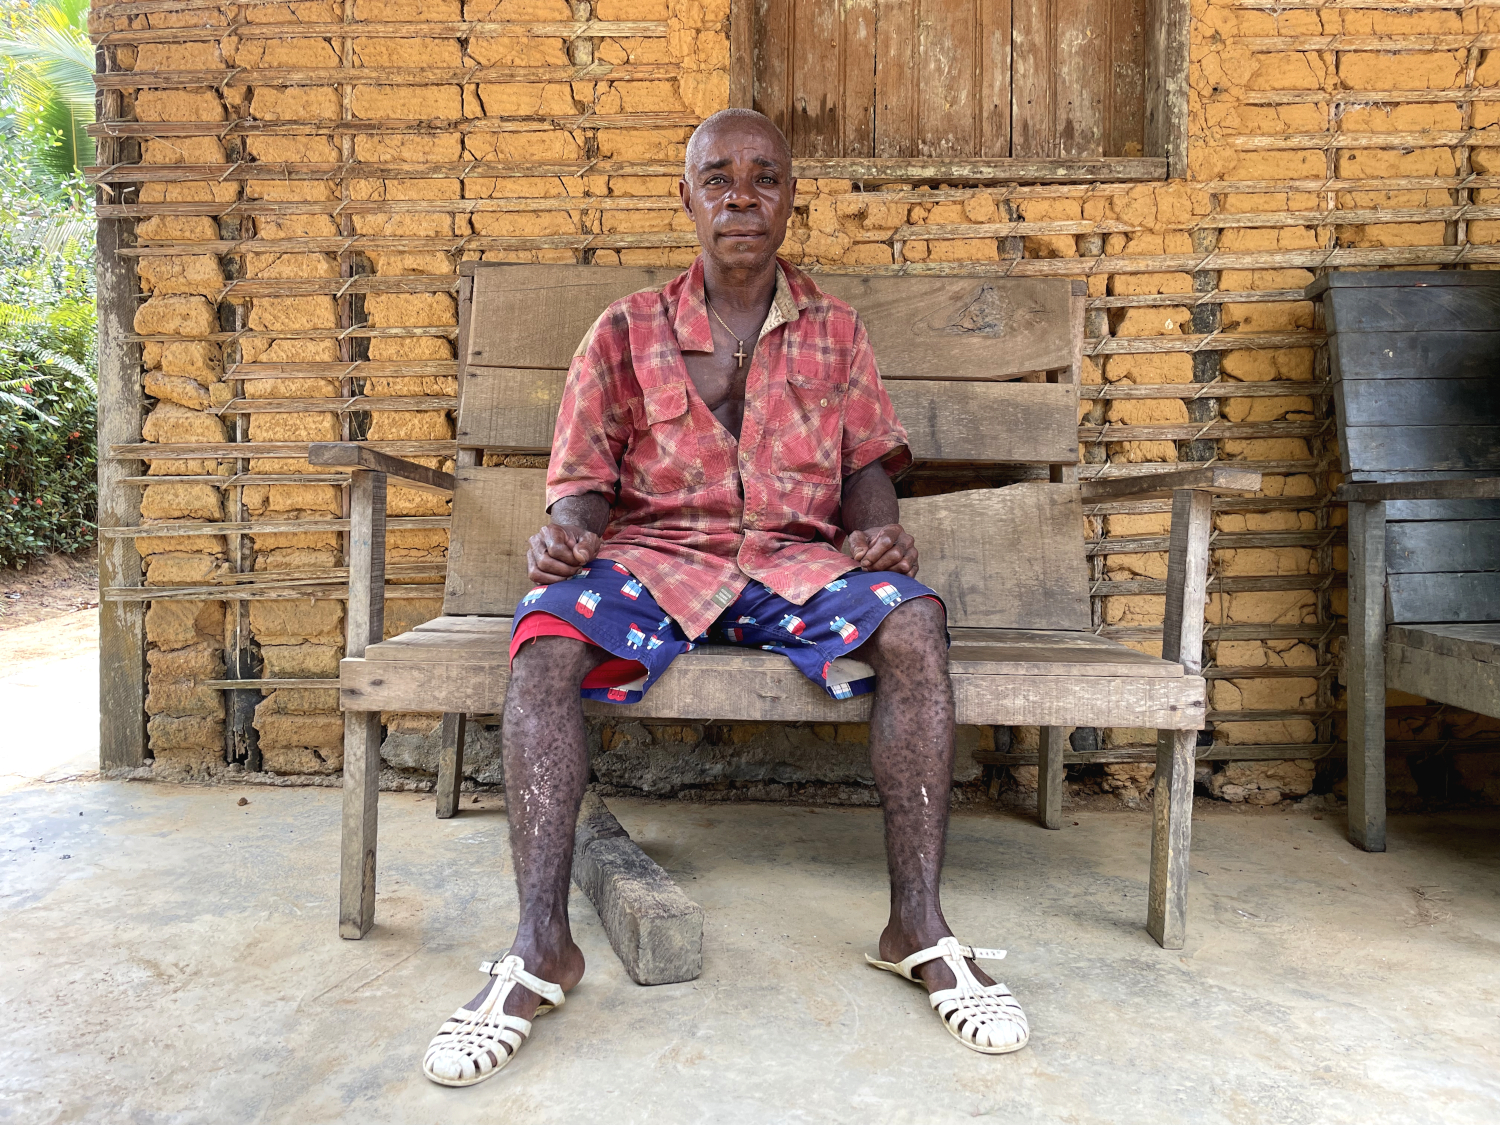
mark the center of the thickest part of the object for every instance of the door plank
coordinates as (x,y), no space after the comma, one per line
(816,36)
(947,78)
(857,113)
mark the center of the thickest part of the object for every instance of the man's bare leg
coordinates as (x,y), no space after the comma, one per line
(911,750)
(546,772)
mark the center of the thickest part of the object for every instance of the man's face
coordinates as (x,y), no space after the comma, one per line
(739,194)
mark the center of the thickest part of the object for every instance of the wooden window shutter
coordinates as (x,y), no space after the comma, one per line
(968,80)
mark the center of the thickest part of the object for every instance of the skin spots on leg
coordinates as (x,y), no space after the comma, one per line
(911,752)
(546,772)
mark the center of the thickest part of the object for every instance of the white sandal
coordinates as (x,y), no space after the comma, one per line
(475,1044)
(983,1017)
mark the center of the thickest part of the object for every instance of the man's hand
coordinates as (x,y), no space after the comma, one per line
(883,548)
(559,551)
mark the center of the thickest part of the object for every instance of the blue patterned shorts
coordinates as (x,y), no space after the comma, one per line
(606,604)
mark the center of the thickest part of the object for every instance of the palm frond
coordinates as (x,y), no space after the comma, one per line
(48,357)
(21,402)
(51,73)
(21,316)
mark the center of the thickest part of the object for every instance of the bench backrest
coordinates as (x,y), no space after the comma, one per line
(982,371)
(1415,358)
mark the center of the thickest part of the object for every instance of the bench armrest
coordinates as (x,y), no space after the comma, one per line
(351,455)
(1481,488)
(1160,486)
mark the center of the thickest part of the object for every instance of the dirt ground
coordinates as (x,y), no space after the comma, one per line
(48,587)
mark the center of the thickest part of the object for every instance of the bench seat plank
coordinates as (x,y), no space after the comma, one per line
(1460,681)
(1464,642)
(1032,652)
(711,687)
(1022,676)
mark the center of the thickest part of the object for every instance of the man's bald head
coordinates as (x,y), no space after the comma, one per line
(734,118)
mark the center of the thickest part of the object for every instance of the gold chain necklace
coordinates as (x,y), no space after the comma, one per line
(740,353)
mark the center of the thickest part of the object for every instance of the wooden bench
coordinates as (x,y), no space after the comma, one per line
(984,373)
(1416,361)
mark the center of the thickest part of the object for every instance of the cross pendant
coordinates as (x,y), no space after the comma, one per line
(739,356)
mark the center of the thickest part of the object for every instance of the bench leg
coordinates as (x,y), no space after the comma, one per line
(1171,836)
(1365,666)
(357,850)
(1049,777)
(451,764)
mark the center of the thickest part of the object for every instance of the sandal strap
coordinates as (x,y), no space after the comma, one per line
(948,948)
(513,968)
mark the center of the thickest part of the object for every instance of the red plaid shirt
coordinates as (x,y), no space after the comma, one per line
(696,514)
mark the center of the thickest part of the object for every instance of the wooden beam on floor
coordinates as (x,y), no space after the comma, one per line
(655,929)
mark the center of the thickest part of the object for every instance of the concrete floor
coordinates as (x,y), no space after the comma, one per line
(171,956)
(49,730)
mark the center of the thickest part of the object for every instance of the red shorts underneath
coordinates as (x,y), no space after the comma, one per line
(614,672)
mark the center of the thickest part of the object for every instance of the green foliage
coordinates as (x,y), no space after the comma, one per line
(48,497)
(48,63)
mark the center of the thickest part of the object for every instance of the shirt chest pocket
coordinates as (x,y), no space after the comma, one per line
(663,457)
(809,427)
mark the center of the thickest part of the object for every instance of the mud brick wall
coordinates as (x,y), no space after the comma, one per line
(299,181)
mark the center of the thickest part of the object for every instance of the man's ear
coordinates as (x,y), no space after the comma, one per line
(686,196)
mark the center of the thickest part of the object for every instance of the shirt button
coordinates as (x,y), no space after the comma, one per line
(823,402)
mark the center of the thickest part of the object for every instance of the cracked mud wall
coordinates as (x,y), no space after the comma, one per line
(1320,138)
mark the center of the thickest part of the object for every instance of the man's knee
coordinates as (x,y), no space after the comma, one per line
(545,664)
(912,634)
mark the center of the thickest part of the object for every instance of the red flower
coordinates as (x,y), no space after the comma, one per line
(73,434)
(38,501)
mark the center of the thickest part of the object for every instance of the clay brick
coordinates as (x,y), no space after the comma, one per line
(314,732)
(278,314)
(1411,70)
(169,423)
(301,661)
(177,388)
(409,11)
(176,316)
(407,102)
(295,103)
(410,310)
(300,701)
(181,227)
(294,150)
(410,425)
(179,698)
(294,620)
(177,624)
(204,661)
(168,735)
(178,105)
(182,501)
(258,54)
(264,266)
(430,148)
(182,568)
(321,498)
(519,50)
(294,427)
(198,273)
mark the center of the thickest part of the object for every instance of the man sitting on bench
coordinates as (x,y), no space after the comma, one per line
(718,440)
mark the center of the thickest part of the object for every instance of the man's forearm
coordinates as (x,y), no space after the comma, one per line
(869,499)
(587,510)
